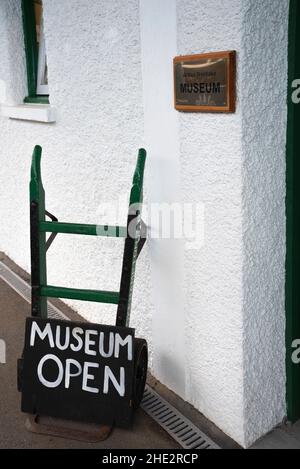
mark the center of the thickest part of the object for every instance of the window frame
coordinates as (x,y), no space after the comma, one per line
(42,89)
(31,53)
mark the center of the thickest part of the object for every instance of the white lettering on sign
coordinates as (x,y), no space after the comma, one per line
(78,339)
(68,375)
(108,375)
(119,342)
(59,370)
(43,380)
(47,332)
(87,376)
(58,338)
(76,333)
(78,371)
(89,342)
(110,347)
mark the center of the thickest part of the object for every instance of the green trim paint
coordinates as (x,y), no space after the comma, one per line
(38,99)
(31,49)
(293,218)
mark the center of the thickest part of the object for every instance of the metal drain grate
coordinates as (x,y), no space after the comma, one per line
(24,290)
(171,420)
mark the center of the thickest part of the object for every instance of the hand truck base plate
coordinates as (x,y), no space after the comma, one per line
(90,433)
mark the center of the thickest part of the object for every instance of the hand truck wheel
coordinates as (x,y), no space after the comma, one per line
(140,370)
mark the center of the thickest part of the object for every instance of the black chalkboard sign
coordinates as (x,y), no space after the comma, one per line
(78,371)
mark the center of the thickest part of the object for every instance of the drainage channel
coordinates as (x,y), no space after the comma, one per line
(23,289)
(168,417)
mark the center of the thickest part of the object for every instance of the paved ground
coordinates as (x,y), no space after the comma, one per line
(145,432)
(284,437)
(13,310)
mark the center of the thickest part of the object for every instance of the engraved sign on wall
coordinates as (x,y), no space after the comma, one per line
(78,371)
(205,82)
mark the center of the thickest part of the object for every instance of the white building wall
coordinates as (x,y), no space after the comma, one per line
(264,109)
(210,339)
(235,304)
(211,165)
(159,20)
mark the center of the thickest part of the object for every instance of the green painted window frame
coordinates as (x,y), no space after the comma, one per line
(31,52)
(292,294)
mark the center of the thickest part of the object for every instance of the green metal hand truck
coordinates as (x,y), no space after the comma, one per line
(134,235)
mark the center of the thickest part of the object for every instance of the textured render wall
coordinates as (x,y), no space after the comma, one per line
(159,20)
(211,174)
(234,164)
(235,283)
(12,85)
(89,154)
(264,71)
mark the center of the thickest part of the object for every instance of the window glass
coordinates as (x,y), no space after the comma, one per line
(42,72)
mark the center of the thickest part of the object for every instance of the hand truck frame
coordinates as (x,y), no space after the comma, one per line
(134,234)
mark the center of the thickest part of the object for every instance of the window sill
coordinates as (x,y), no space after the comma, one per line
(38,99)
(30,112)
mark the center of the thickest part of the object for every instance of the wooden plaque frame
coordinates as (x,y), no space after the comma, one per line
(231,78)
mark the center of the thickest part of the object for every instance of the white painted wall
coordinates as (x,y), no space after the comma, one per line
(159,20)
(211,166)
(219,340)
(264,73)
(235,285)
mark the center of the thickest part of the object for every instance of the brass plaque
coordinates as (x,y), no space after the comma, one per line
(205,82)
